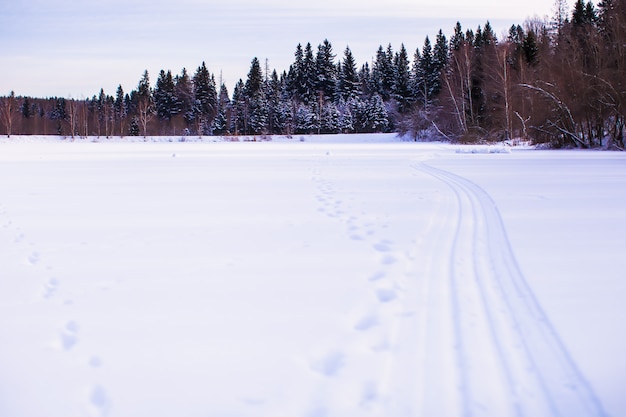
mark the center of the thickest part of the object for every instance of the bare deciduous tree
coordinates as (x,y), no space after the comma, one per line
(7,110)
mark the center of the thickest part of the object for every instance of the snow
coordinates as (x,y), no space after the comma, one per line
(309,276)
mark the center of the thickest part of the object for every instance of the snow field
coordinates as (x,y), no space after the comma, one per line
(307,279)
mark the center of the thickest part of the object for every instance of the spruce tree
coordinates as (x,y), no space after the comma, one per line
(349,79)
(205,94)
(165,96)
(383,72)
(185,96)
(120,110)
(307,88)
(326,70)
(254,80)
(239,103)
(402,81)
(378,120)
(26,113)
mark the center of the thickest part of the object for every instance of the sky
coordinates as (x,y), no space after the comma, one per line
(73,48)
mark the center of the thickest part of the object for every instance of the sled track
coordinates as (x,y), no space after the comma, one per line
(510,359)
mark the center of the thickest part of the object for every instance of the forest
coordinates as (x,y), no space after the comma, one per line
(558,81)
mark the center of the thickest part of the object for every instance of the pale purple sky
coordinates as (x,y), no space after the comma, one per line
(72,48)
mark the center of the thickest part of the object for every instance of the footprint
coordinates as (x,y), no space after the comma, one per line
(377,276)
(386,295)
(33,258)
(50,288)
(253,402)
(99,402)
(383,246)
(69,336)
(18,238)
(369,393)
(329,364)
(318,411)
(388,260)
(366,322)
(95,362)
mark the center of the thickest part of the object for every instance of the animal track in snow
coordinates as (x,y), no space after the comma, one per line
(34,258)
(388,259)
(99,404)
(383,246)
(386,295)
(366,322)
(329,364)
(50,288)
(377,276)
(95,362)
(69,335)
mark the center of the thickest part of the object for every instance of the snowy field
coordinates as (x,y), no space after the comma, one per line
(322,277)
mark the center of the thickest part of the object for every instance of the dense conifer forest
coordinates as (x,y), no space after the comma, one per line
(560,81)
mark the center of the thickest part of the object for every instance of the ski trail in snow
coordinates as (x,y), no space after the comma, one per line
(500,335)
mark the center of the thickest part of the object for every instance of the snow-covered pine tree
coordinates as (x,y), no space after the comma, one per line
(165,100)
(329,122)
(205,94)
(346,123)
(307,87)
(239,116)
(256,102)
(306,119)
(326,70)
(359,111)
(185,96)
(378,119)
(221,122)
(120,110)
(401,92)
(350,86)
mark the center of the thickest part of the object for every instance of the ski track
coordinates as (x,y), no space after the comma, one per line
(501,335)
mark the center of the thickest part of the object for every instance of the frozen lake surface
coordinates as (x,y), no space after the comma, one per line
(335,276)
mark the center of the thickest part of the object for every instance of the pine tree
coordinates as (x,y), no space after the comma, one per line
(330,120)
(239,103)
(272,92)
(377,114)
(306,119)
(185,96)
(221,122)
(120,110)
(360,114)
(366,79)
(205,94)
(326,70)
(383,72)
(348,79)
(346,122)
(530,48)
(402,81)
(257,111)
(166,103)
(294,77)
(307,87)
(424,76)
(441,56)
(254,80)
(26,110)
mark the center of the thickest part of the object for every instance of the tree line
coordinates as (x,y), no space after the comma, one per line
(559,81)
